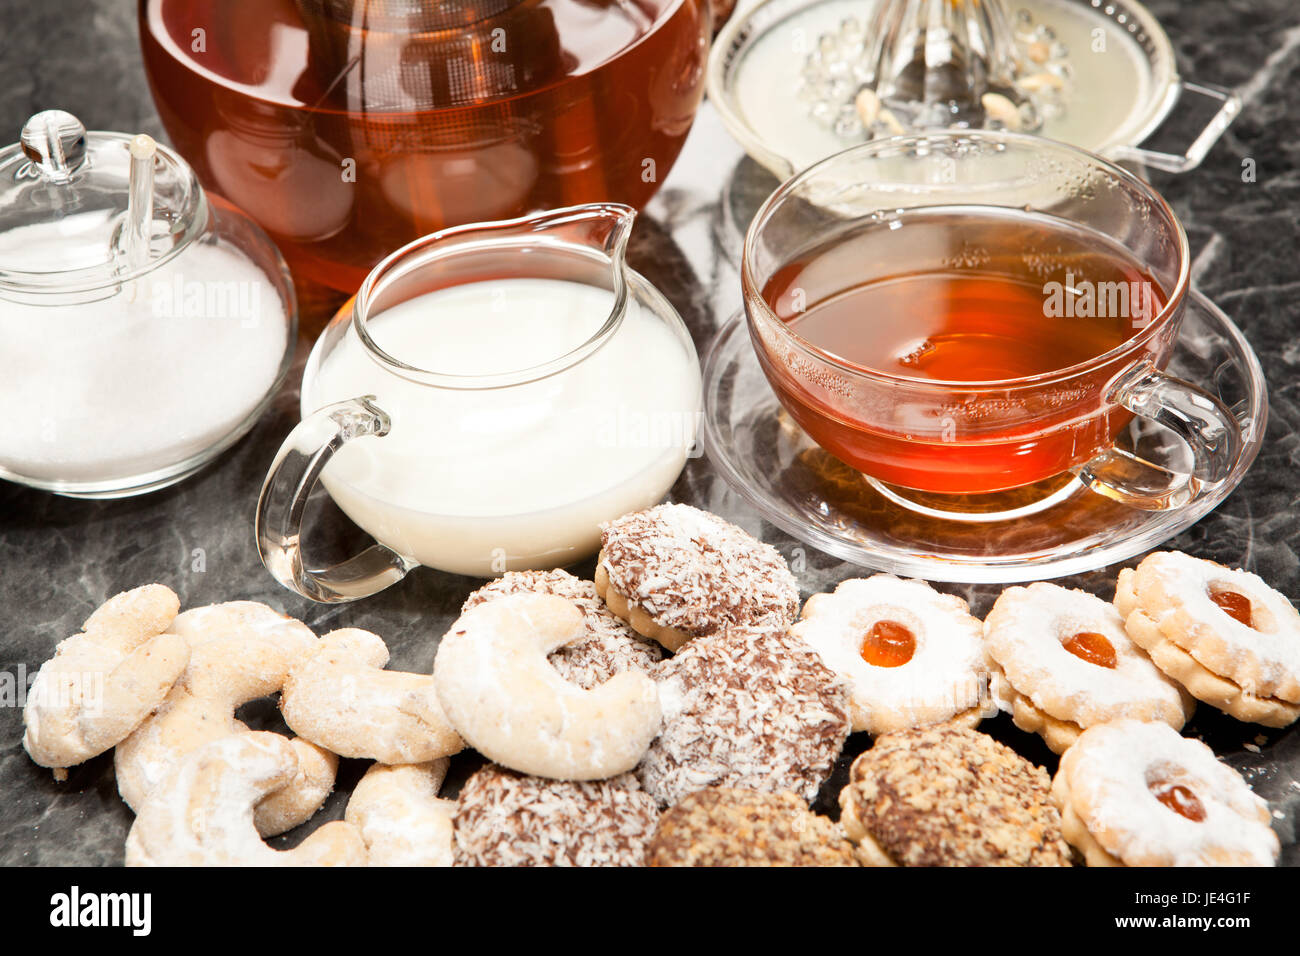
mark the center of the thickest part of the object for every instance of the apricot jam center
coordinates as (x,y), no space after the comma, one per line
(1236,606)
(1092,647)
(1180,800)
(888,644)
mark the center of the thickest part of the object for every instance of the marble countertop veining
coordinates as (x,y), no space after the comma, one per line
(60,558)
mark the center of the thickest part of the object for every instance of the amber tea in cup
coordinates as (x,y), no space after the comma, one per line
(971,307)
(958,314)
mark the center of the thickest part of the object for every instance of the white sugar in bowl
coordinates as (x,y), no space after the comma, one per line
(144,326)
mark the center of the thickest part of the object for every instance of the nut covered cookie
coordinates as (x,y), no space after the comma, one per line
(1062,661)
(676,573)
(948,796)
(729,827)
(1225,635)
(1136,793)
(912,657)
(504,818)
(751,709)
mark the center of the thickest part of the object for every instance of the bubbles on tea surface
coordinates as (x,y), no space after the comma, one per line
(916,355)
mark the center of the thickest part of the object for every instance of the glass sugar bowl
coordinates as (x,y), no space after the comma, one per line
(144,326)
(493,393)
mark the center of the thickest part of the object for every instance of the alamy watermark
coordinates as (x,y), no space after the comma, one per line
(83,690)
(180,298)
(1135,300)
(73,909)
(619,427)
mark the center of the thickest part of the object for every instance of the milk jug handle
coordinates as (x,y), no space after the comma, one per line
(283,502)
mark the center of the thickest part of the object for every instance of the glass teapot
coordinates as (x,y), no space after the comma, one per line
(351,127)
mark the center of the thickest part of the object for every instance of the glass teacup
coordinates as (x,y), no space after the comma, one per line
(961,316)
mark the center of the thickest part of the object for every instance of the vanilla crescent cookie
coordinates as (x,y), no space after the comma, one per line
(1136,793)
(504,818)
(1061,661)
(104,682)
(610,645)
(1225,635)
(500,692)
(339,697)
(749,709)
(201,812)
(402,819)
(911,656)
(676,573)
(239,651)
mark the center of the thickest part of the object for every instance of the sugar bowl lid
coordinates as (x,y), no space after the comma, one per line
(86,211)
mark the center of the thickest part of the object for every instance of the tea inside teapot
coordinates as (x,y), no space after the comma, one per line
(351,128)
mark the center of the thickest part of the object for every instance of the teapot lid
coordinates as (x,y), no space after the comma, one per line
(81,211)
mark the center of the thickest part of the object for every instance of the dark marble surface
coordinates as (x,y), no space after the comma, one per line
(60,558)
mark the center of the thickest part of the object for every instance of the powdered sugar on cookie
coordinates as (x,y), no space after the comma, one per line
(934,671)
(1068,653)
(1119,782)
(1177,593)
(610,646)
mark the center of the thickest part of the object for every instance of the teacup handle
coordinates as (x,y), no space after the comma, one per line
(283,501)
(1208,428)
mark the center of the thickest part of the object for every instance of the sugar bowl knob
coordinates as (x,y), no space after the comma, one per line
(55,141)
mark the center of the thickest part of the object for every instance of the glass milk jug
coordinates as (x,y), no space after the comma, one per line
(493,393)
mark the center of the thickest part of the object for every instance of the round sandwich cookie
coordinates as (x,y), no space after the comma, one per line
(912,657)
(1062,661)
(676,573)
(1225,635)
(1137,793)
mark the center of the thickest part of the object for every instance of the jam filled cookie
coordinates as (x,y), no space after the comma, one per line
(727,827)
(948,796)
(505,818)
(1225,635)
(610,646)
(912,657)
(757,710)
(676,573)
(1138,794)
(1061,662)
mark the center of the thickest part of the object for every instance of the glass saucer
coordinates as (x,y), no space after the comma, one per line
(1043,532)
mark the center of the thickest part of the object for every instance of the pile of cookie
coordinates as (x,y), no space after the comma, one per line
(679,711)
